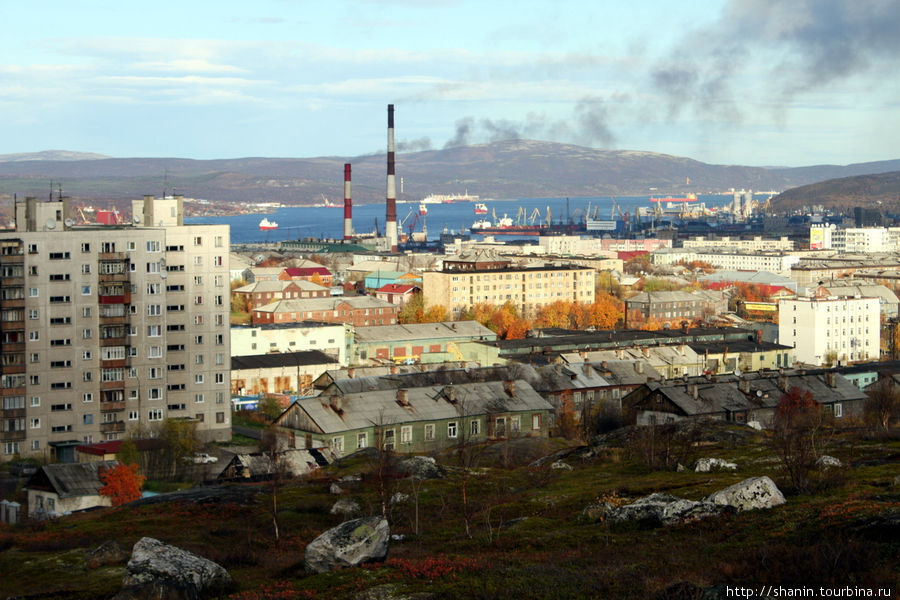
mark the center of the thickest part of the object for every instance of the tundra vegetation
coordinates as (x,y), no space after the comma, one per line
(497,524)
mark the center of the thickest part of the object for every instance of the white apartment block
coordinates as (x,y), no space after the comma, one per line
(847,328)
(334,339)
(854,239)
(755,244)
(573,245)
(109,329)
(774,262)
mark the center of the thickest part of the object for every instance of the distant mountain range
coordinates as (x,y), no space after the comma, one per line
(882,189)
(509,169)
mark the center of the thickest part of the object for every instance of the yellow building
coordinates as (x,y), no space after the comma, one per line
(483,277)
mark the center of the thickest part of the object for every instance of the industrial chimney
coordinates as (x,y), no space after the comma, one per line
(348,204)
(390,229)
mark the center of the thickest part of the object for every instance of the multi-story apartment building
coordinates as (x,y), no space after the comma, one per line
(755,244)
(483,277)
(829,327)
(109,329)
(775,262)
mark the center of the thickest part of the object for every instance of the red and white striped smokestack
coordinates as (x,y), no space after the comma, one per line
(390,229)
(348,204)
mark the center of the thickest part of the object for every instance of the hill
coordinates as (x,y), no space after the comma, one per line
(509,169)
(881,188)
(530,535)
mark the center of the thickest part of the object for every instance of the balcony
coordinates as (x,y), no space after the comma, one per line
(13,281)
(112,406)
(12,369)
(114,341)
(13,303)
(12,325)
(119,363)
(12,259)
(113,277)
(12,413)
(113,255)
(117,427)
(13,391)
(120,299)
(13,436)
(14,348)
(112,385)
(118,320)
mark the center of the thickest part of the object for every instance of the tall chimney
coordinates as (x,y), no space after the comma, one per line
(348,204)
(390,229)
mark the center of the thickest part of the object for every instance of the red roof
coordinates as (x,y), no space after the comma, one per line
(396,288)
(306,271)
(630,254)
(100,448)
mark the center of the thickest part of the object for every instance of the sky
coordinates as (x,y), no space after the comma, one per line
(751,82)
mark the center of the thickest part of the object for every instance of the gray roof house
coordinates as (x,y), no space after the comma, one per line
(750,397)
(67,487)
(419,419)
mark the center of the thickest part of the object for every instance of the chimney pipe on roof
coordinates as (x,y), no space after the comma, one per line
(390,229)
(348,204)
(639,366)
(509,386)
(403,397)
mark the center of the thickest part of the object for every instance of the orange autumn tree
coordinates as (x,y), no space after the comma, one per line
(122,483)
(502,320)
(555,314)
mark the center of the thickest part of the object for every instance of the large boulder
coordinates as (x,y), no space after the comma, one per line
(688,511)
(828,462)
(707,465)
(349,544)
(158,570)
(647,510)
(750,494)
(420,467)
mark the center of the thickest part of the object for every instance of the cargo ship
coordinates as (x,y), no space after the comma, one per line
(423,209)
(480,209)
(267,225)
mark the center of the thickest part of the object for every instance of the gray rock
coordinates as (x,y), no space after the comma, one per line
(335,489)
(158,570)
(389,591)
(420,467)
(679,468)
(750,494)
(345,507)
(648,509)
(707,465)
(107,553)
(828,462)
(349,544)
(896,481)
(561,465)
(350,479)
(399,498)
(688,511)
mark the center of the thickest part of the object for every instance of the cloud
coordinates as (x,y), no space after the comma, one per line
(807,45)
(416,145)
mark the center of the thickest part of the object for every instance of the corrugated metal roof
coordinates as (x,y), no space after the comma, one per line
(423,331)
(286,359)
(432,403)
(72,479)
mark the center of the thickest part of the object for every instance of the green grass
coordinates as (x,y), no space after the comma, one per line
(815,539)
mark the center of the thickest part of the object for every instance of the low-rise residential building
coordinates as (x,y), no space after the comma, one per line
(673,307)
(779,262)
(423,419)
(261,293)
(827,328)
(746,398)
(334,339)
(355,310)
(377,279)
(843,288)
(68,487)
(395,293)
(315,274)
(290,373)
(425,343)
(810,272)
(485,277)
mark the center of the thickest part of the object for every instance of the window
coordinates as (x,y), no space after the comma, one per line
(514,424)
(85,290)
(87,376)
(220,377)
(88,419)
(337,445)
(61,407)
(33,314)
(59,256)
(155,393)
(34,379)
(155,373)
(198,359)
(85,247)
(153,267)
(362,440)
(154,288)
(10,447)
(451,429)
(34,357)
(86,311)
(34,336)
(32,292)
(87,397)
(35,401)
(61,320)
(133,415)
(154,352)
(154,330)
(153,246)
(36,423)
(154,310)
(390,437)
(60,299)
(220,339)
(198,378)
(838,410)
(406,434)
(155,414)
(536,421)
(60,277)
(198,339)
(474,427)
(61,342)
(198,398)
(86,334)
(220,417)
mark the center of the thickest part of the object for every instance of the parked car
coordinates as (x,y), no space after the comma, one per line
(202,458)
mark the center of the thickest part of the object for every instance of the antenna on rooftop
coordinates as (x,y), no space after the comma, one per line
(165,183)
